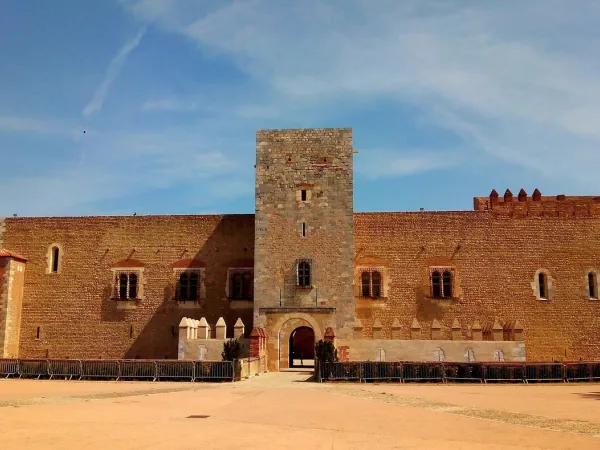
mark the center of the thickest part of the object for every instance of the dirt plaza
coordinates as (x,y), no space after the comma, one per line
(283,410)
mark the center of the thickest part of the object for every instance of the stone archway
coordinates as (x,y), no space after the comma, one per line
(301,347)
(286,331)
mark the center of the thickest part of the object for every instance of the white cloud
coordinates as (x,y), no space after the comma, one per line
(519,81)
(112,72)
(393,163)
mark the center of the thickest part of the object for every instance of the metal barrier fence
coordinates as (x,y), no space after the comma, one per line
(445,372)
(123,369)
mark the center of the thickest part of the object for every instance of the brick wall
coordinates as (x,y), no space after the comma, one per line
(73,308)
(496,259)
(318,161)
(4,262)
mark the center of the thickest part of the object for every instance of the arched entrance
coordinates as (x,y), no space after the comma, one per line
(302,347)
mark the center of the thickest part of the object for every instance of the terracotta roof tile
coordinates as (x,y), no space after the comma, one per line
(8,254)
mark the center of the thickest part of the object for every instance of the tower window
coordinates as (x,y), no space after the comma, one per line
(187,286)
(303,229)
(54,256)
(303,195)
(304,274)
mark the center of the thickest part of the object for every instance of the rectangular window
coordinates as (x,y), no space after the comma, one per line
(303,229)
(303,195)
(241,284)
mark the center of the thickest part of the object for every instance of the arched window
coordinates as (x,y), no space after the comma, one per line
(193,286)
(376,284)
(593,285)
(365,283)
(304,274)
(447,284)
(133,285)
(123,286)
(55,259)
(436,284)
(543,285)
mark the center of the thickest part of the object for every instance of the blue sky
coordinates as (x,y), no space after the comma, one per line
(447,99)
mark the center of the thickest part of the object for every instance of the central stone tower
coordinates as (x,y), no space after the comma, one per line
(304,231)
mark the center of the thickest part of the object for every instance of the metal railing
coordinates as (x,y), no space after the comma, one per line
(118,369)
(468,372)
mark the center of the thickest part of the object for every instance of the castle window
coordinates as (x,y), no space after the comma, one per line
(370,283)
(241,284)
(304,274)
(127,285)
(54,257)
(593,285)
(303,195)
(441,283)
(303,229)
(543,285)
(187,286)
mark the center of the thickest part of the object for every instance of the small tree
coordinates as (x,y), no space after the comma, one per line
(325,351)
(232,350)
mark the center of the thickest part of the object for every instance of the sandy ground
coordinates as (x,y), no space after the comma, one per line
(281,411)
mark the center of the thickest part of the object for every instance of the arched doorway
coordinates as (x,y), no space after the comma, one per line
(302,347)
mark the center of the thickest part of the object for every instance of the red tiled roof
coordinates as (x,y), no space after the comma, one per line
(8,254)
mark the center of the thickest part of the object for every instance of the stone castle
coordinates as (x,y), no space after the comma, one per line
(515,279)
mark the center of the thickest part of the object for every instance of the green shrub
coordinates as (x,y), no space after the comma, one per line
(325,351)
(232,349)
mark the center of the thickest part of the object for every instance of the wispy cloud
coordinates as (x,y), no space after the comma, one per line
(375,164)
(112,72)
(520,81)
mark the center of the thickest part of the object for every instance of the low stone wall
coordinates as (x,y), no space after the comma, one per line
(196,342)
(250,367)
(429,350)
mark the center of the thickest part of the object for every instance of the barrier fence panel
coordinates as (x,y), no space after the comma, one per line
(382,371)
(9,368)
(420,371)
(104,369)
(463,372)
(544,372)
(582,371)
(340,371)
(64,368)
(33,368)
(137,369)
(506,372)
(214,370)
(174,369)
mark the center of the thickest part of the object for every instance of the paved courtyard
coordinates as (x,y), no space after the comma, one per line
(281,410)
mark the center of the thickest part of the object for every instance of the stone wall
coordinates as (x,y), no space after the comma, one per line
(496,260)
(75,309)
(12,277)
(315,226)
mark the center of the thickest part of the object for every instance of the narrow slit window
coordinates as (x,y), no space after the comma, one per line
(55,259)
(543,285)
(303,195)
(131,331)
(303,229)
(37,333)
(593,285)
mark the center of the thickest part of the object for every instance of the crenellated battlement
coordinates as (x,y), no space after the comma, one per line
(538,205)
